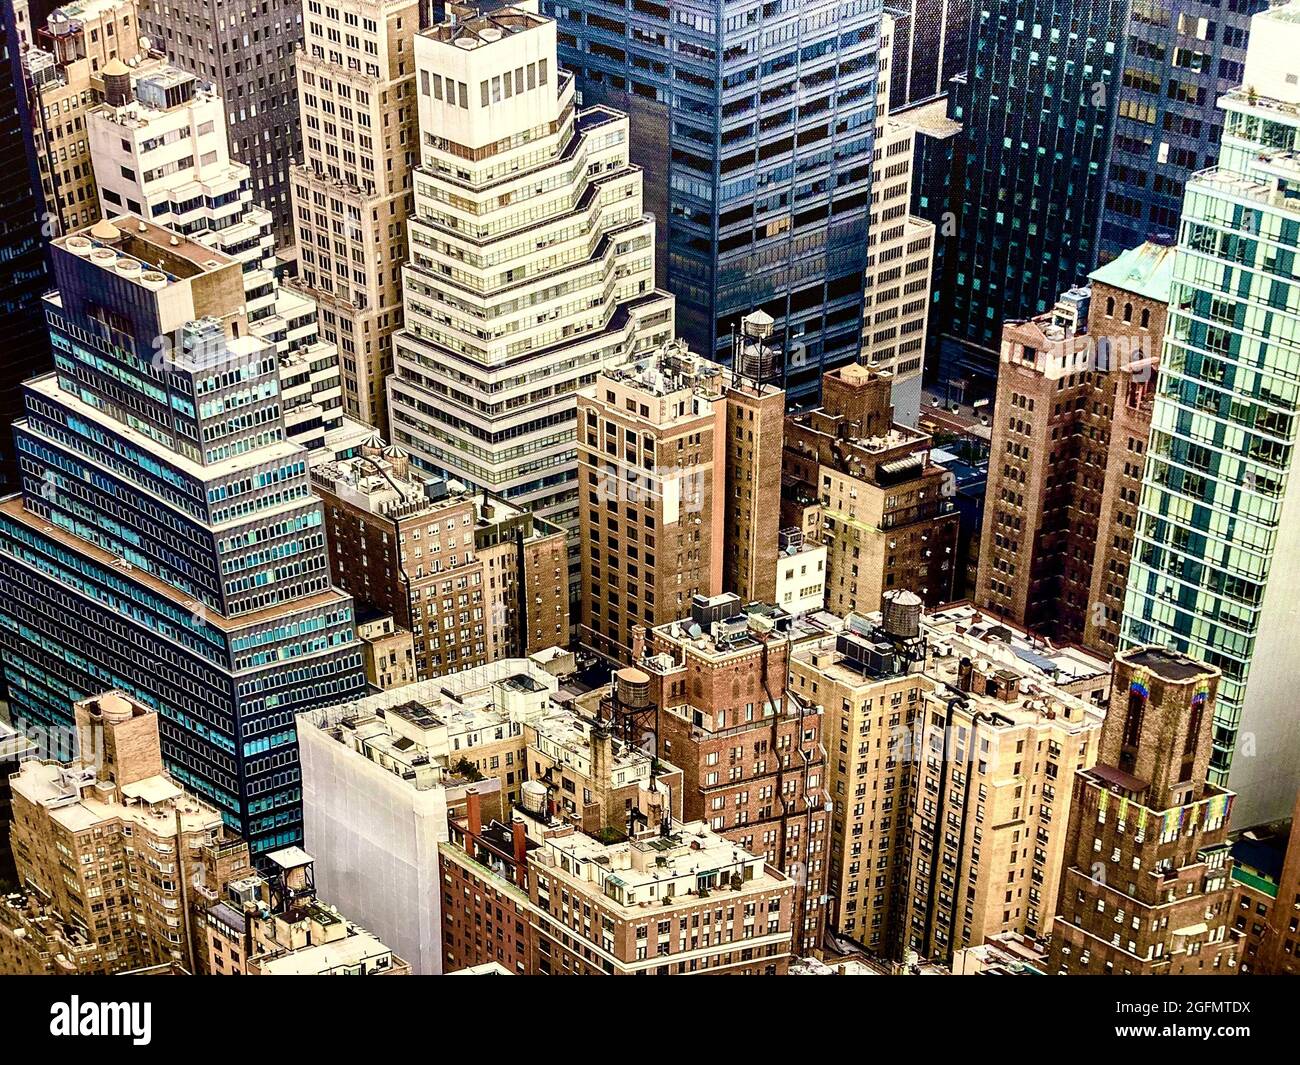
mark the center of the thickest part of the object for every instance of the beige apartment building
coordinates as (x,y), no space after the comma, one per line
(106,847)
(864,486)
(541,897)
(64,70)
(946,735)
(352,191)
(1070,422)
(900,255)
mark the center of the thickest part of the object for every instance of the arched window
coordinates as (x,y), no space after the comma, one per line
(1146,317)
(1128,312)
(1110,306)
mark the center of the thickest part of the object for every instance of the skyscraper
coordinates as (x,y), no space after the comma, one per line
(930,47)
(352,189)
(1036,106)
(23,272)
(531,264)
(247,51)
(1218,534)
(167,541)
(1070,425)
(1146,887)
(1179,58)
(900,250)
(756,130)
(159,148)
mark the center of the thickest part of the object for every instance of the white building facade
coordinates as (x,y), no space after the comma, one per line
(531,264)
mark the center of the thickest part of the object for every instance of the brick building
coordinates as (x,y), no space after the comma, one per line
(710,692)
(865,487)
(1070,424)
(680,462)
(469,577)
(540,897)
(1147,889)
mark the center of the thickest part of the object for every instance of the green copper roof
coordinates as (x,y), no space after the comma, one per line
(1145,271)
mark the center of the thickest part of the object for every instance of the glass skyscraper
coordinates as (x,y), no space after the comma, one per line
(23,273)
(1037,108)
(754,124)
(1180,57)
(167,541)
(1216,557)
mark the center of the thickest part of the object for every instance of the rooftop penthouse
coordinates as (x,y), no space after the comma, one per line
(720,627)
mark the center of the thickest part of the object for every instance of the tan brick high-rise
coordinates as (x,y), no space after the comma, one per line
(352,191)
(864,486)
(1070,424)
(1147,890)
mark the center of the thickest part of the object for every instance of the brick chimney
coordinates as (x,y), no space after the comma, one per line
(520,839)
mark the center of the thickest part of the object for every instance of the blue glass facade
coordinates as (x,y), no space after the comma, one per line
(166,540)
(1037,108)
(754,123)
(1180,57)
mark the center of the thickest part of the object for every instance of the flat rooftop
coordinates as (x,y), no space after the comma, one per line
(153,248)
(1173,666)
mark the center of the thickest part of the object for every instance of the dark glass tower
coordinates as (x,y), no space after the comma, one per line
(24,277)
(167,541)
(1181,56)
(1037,108)
(754,125)
(930,48)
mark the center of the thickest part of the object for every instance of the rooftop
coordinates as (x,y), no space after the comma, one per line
(1146,271)
(75,801)
(142,252)
(691,860)
(1169,665)
(485,28)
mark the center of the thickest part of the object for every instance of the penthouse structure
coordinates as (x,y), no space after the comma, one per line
(710,691)
(864,486)
(166,539)
(1147,888)
(673,901)
(466,578)
(530,269)
(105,848)
(1070,426)
(352,185)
